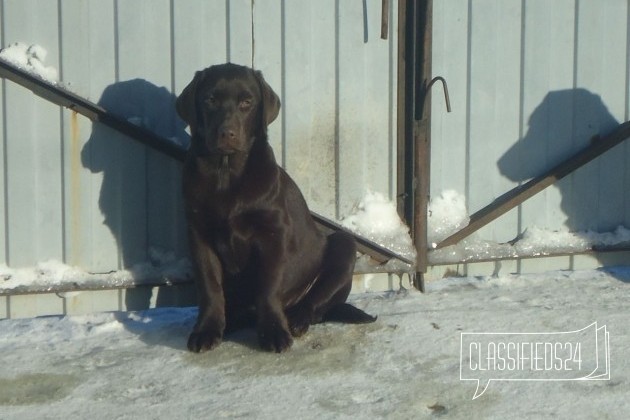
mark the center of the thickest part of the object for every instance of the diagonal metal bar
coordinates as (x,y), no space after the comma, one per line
(94,112)
(518,195)
(364,245)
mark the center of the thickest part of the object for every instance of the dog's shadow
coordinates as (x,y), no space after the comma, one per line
(140,196)
(560,126)
(170,327)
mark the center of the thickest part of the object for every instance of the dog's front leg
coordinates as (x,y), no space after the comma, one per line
(208,331)
(273,328)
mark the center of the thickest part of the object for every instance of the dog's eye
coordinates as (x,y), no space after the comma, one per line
(245,104)
(211,100)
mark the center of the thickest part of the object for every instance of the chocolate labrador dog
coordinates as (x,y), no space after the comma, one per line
(259,257)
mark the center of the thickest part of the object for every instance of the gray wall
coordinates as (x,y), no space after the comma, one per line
(80,193)
(531,83)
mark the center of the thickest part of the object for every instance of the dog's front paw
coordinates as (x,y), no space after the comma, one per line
(274,338)
(299,321)
(202,341)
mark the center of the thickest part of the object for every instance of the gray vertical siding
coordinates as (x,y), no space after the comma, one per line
(75,191)
(531,82)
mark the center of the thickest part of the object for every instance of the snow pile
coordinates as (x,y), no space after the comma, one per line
(534,242)
(53,275)
(448,214)
(621,235)
(406,365)
(376,218)
(538,241)
(31,59)
(42,274)
(534,239)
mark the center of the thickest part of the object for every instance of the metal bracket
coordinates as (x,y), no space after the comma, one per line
(444,87)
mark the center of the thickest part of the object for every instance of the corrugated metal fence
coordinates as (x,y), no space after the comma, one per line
(82,194)
(531,82)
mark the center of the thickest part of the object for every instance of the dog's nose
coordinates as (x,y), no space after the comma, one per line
(226,133)
(226,138)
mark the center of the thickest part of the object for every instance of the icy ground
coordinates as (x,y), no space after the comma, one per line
(406,365)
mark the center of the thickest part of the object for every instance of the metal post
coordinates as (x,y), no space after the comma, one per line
(422,136)
(414,152)
(403,116)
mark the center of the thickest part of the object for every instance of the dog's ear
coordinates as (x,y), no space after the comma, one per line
(185,104)
(271,101)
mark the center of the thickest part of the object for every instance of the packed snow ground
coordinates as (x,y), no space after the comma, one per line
(406,365)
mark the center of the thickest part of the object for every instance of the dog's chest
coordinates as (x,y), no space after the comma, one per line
(230,231)
(208,212)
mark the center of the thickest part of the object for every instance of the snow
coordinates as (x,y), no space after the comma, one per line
(53,275)
(406,365)
(30,58)
(448,214)
(534,242)
(375,217)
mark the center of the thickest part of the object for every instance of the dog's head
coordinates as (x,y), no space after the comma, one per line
(227,107)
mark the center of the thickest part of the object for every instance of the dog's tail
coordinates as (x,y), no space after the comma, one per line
(346,313)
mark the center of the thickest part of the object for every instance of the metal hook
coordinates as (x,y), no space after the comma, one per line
(445,88)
